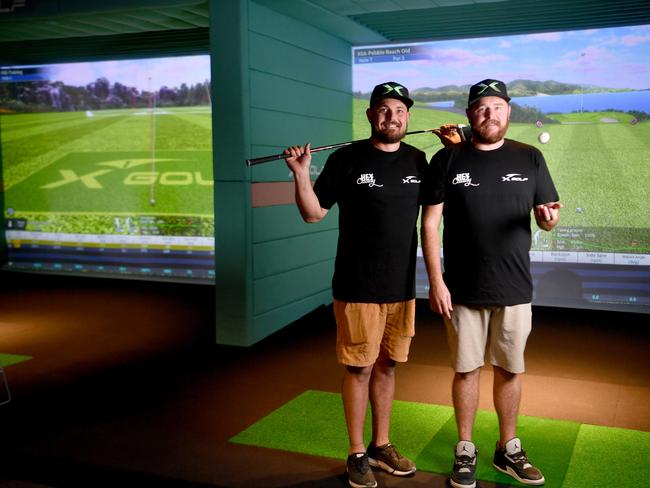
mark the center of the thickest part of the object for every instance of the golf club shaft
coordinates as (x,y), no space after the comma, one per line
(275,157)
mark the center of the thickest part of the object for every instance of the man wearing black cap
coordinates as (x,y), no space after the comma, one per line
(485,190)
(376,184)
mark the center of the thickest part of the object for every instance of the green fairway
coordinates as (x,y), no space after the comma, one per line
(75,171)
(119,182)
(571,454)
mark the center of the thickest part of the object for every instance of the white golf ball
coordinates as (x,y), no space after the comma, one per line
(152,202)
(544,137)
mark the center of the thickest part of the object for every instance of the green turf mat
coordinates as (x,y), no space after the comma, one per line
(570,454)
(313,423)
(9,359)
(548,442)
(609,457)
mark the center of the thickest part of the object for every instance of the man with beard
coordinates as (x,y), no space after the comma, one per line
(376,184)
(485,190)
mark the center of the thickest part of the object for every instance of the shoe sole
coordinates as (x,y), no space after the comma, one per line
(511,472)
(380,464)
(459,485)
(355,485)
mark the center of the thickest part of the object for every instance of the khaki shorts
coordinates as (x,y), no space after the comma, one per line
(362,329)
(504,330)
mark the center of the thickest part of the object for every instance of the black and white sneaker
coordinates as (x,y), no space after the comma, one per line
(463,474)
(359,472)
(511,459)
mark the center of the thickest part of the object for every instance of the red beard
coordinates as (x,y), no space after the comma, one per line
(485,134)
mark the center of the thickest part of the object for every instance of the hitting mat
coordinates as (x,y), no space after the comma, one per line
(571,454)
(9,359)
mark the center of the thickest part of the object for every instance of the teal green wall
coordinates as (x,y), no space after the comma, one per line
(277,83)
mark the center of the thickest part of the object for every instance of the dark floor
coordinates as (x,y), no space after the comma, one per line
(127,387)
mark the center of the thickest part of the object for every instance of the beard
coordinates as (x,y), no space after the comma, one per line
(485,133)
(389,135)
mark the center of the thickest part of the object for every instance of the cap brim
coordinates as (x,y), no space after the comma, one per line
(406,101)
(472,102)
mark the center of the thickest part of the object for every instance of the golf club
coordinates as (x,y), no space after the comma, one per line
(463,130)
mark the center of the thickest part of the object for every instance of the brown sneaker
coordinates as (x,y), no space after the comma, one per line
(387,458)
(359,472)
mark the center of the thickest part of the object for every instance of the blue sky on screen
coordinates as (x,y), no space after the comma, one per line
(613,58)
(144,74)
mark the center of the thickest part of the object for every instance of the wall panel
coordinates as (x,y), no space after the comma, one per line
(274,257)
(270,23)
(300,90)
(297,284)
(283,221)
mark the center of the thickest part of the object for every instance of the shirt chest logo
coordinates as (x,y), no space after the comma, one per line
(368,179)
(514,177)
(463,179)
(407,180)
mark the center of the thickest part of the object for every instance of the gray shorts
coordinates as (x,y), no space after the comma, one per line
(503,330)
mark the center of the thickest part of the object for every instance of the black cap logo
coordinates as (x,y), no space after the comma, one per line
(487,88)
(390,89)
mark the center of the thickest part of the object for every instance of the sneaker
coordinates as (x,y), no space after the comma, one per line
(463,474)
(387,458)
(359,472)
(512,460)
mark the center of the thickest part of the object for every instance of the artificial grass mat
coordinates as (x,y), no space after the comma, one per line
(570,454)
(9,359)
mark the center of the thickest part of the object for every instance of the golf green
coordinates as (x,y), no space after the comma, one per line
(570,454)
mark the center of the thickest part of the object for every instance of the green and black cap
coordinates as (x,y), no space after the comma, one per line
(487,88)
(390,89)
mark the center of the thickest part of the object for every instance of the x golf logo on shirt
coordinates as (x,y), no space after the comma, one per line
(514,177)
(410,179)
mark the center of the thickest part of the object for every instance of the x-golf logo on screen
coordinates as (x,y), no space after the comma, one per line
(93,179)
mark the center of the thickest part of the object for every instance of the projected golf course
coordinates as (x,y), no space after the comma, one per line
(109,176)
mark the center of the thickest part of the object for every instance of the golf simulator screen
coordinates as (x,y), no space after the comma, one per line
(107,168)
(581,97)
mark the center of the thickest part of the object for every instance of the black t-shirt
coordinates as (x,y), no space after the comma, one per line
(378,197)
(488,197)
